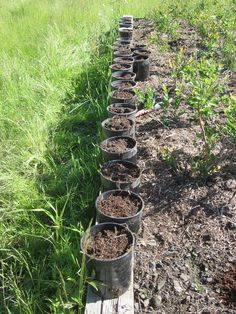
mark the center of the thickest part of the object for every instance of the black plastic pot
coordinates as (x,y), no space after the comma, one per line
(141,67)
(110,133)
(127,18)
(123,67)
(113,276)
(123,53)
(130,115)
(124,60)
(117,85)
(114,99)
(108,183)
(133,222)
(125,33)
(123,75)
(129,155)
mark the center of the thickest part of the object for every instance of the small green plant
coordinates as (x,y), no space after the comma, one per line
(147,98)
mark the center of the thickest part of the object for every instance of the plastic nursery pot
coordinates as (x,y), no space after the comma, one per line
(113,275)
(121,67)
(126,33)
(118,126)
(123,53)
(141,67)
(123,75)
(125,110)
(122,97)
(124,60)
(119,148)
(123,85)
(120,174)
(124,213)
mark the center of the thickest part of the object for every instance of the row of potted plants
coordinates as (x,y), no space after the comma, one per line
(109,245)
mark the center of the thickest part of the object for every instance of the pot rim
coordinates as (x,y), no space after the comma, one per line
(130,249)
(125,105)
(104,121)
(118,137)
(120,161)
(121,191)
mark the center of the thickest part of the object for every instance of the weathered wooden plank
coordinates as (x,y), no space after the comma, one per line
(109,306)
(93,303)
(122,305)
(126,301)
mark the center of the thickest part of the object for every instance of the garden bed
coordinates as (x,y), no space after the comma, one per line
(188,237)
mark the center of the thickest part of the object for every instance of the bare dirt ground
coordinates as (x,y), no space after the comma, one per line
(186,252)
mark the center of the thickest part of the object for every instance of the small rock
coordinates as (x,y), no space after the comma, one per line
(136,286)
(184,277)
(209,280)
(146,303)
(230,225)
(231,184)
(177,286)
(161,284)
(155,301)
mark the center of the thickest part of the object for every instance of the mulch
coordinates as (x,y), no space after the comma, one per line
(186,252)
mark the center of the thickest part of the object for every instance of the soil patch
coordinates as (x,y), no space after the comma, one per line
(118,146)
(188,234)
(108,244)
(118,123)
(119,205)
(123,52)
(120,172)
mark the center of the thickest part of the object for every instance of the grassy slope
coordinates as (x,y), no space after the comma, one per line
(54,78)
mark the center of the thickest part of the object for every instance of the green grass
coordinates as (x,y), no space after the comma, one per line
(54,82)
(54,79)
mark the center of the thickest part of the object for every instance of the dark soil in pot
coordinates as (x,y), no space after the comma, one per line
(122,96)
(120,109)
(126,110)
(120,47)
(118,145)
(118,123)
(126,60)
(126,33)
(120,67)
(123,53)
(120,171)
(123,85)
(108,244)
(118,126)
(120,205)
(123,75)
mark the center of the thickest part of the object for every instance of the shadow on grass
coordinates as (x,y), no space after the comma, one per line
(69,181)
(73,155)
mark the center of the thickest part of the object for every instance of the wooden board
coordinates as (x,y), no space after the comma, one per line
(122,305)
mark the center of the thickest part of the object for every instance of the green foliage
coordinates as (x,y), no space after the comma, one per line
(147,98)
